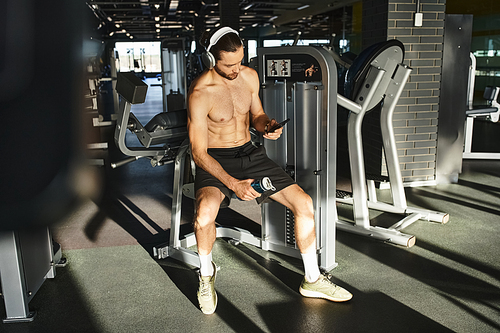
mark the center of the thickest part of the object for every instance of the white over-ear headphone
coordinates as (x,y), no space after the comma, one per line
(207,57)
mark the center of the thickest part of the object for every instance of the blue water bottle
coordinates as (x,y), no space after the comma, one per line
(263,185)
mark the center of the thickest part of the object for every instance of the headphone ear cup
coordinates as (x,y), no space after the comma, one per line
(208,59)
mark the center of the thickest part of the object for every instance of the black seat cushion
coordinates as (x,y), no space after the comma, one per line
(166,120)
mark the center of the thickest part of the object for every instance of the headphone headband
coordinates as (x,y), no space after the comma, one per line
(218,35)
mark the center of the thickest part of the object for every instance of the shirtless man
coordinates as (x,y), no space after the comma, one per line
(223,102)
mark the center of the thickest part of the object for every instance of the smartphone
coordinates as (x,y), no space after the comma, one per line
(278,125)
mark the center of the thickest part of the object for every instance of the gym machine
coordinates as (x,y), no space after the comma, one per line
(490,111)
(300,83)
(27,258)
(173,74)
(161,137)
(377,75)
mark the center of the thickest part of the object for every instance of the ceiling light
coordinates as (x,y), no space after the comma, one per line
(157,25)
(303,7)
(131,37)
(273,18)
(111,33)
(157,30)
(157,18)
(117,25)
(248,7)
(218,24)
(110,19)
(128,34)
(123,30)
(157,5)
(254,25)
(173,5)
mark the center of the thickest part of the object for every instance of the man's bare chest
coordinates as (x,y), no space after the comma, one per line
(229,103)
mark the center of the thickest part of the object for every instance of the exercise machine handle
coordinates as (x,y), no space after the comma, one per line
(125,161)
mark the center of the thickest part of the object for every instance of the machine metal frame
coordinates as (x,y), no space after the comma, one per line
(300,83)
(160,137)
(27,258)
(385,79)
(173,74)
(490,111)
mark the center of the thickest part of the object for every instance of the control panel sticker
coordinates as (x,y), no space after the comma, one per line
(294,67)
(278,68)
(309,72)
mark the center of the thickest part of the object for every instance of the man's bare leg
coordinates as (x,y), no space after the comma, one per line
(302,208)
(314,284)
(208,200)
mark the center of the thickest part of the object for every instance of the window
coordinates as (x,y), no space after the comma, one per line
(139,56)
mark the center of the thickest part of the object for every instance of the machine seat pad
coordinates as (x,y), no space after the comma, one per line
(166,120)
(340,194)
(481,110)
(489,93)
(377,178)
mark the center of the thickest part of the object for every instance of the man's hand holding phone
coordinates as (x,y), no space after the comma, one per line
(274,129)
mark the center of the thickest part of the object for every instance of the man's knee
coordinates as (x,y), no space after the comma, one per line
(307,206)
(207,206)
(303,205)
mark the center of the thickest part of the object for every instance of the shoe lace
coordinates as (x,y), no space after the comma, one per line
(205,291)
(328,279)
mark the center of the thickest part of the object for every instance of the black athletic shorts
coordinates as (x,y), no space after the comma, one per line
(243,162)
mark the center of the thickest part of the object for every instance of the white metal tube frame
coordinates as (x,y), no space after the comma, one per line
(361,204)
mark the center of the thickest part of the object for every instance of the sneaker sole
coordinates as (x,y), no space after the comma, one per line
(316,294)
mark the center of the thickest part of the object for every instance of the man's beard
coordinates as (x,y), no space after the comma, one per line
(226,76)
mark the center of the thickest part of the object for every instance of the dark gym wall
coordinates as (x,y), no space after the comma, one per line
(416,115)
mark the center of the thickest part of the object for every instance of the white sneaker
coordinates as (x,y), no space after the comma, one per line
(207,297)
(324,288)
